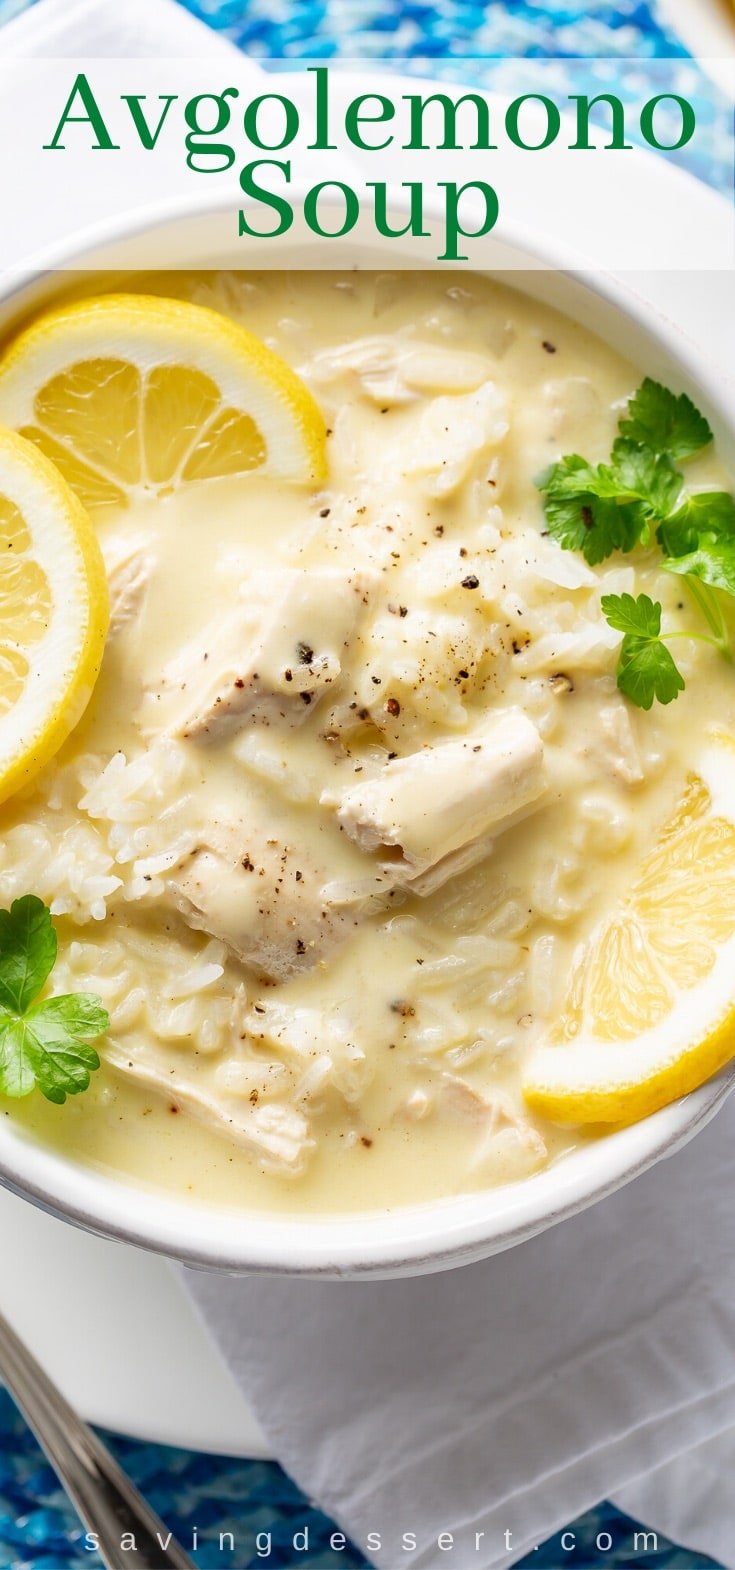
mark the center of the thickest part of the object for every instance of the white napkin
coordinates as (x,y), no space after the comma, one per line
(596,1360)
(512,1395)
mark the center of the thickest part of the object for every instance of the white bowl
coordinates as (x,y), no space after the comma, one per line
(454,1231)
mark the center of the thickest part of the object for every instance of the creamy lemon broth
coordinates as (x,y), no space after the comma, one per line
(387,1070)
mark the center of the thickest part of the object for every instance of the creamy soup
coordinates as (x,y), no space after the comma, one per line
(356,780)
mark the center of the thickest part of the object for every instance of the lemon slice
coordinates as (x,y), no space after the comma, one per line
(53,611)
(135,394)
(650,1012)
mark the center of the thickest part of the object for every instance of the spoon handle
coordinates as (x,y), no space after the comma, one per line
(106,1500)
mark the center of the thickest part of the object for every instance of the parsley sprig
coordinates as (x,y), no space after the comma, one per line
(43,1043)
(646,668)
(639,498)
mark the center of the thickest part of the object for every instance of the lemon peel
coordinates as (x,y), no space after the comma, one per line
(650,1010)
(54,611)
(136,394)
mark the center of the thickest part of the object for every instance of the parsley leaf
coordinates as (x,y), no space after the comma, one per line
(713,561)
(649,476)
(626,614)
(27,952)
(47,1043)
(659,419)
(710,512)
(608,507)
(646,669)
(583,512)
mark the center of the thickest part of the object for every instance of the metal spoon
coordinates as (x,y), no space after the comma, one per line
(104,1497)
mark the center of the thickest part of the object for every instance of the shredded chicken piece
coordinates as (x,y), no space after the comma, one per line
(508,1146)
(453,433)
(260,897)
(462,1101)
(391,371)
(432,814)
(266,660)
(617,748)
(276,1132)
(128,577)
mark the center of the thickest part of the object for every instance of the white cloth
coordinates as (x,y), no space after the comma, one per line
(514,1394)
(597,1360)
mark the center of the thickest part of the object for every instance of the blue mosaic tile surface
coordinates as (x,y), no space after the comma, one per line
(38,1528)
(330,28)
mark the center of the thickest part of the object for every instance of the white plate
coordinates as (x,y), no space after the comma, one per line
(115,1329)
(707,28)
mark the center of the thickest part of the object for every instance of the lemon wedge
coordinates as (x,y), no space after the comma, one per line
(53,611)
(650,1011)
(135,394)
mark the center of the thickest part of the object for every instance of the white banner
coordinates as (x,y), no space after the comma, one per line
(333,161)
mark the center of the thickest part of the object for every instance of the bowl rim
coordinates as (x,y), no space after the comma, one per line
(423,1237)
(416,1240)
